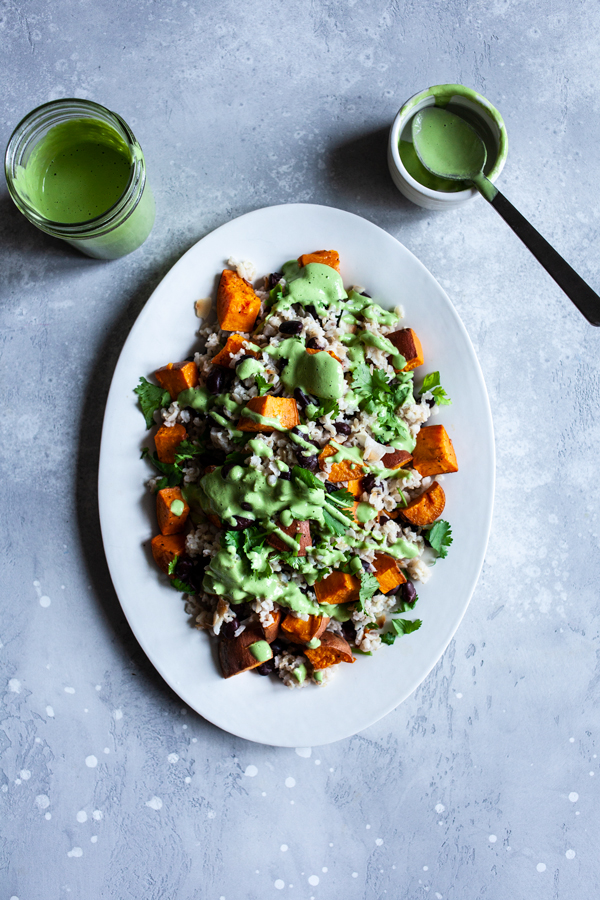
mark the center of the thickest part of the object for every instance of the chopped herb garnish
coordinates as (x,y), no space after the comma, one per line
(368,586)
(171,471)
(432,383)
(439,536)
(176,582)
(399,627)
(262,384)
(152,397)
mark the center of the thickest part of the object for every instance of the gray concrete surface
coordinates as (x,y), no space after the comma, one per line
(484,783)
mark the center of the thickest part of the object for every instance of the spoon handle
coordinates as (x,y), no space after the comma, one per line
(584,298)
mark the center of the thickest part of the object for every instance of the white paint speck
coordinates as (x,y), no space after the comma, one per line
(492,839)
(440,808)
(379,841)
(591,774)
(98,687)
(313,880)
(42,801)
(17,781)
(117,714)
(49,712)
(76,851)
(107,749)
(367,827)
(45,601)
(571,740)
(187,779)
(172,758)
(91,762)
(94,839)
(81,816)
(154,803)
(438,896)
(290,782)
(48,816)
(426,868)
(304,752)
(355,874)
(251,771)
(69,690)
(279,884)
(541,867)
(458,696)
(97,815)
(14,685)
(283,848)
(573,797)
(25,774)
(570,854)
(317,762)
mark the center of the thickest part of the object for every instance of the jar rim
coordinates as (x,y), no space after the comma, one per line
(25,132)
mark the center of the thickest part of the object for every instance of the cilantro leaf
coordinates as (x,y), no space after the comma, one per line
(432,383)
(262,384)
(176,582)
(368,586)
(399,627)
(332,524)
(307,477)
(439,536)
(380,382)
(152,397)
(361,379)
(237,458)
(187,450)
(342,497)
(171,471)
(234,539)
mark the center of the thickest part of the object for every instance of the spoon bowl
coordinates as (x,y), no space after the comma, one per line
(447,145)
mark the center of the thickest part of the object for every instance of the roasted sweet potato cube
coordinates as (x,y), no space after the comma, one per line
(387,572)
(427,508)
(232,346)
(325,257)
(345,470)
(177,377)
(299,631)
(169,521)
(396,460)
(434,453)
(331,353)
(339,587)
(165,547)
(237,304)
(297,527)
(213,519)
(408,344)
(167,440)
(334,649)
(235,655)
(355,487)
(270,631)
(284,409)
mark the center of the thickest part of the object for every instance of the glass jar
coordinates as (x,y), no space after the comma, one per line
(76,171)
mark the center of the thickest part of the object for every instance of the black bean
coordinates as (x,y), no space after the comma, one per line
(242,358)
(241,522)
(287,476)
(366,565)
(393,591)
(266,668)
(212,457)
(291,327)
(228,629)
(219,380)
(313,344)
(243,610)
(274,278)
(383,519)
(330,487)
(312,311)
(343,428)
(364,294)
(301,398)
(367,483)
(409,594)
(280,364)
(246,506)
(349,631)
(226,469)
(430,401)
(277,647)
(189,359)
(307,462)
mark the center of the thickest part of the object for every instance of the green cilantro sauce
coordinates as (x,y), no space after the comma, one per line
(259,448)
(299,673)
(261,651)
(315,373)
(248,368)
(177,507)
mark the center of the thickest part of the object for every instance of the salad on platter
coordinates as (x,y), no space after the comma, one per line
(299,487)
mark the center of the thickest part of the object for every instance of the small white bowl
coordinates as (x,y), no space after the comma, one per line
(474,107)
